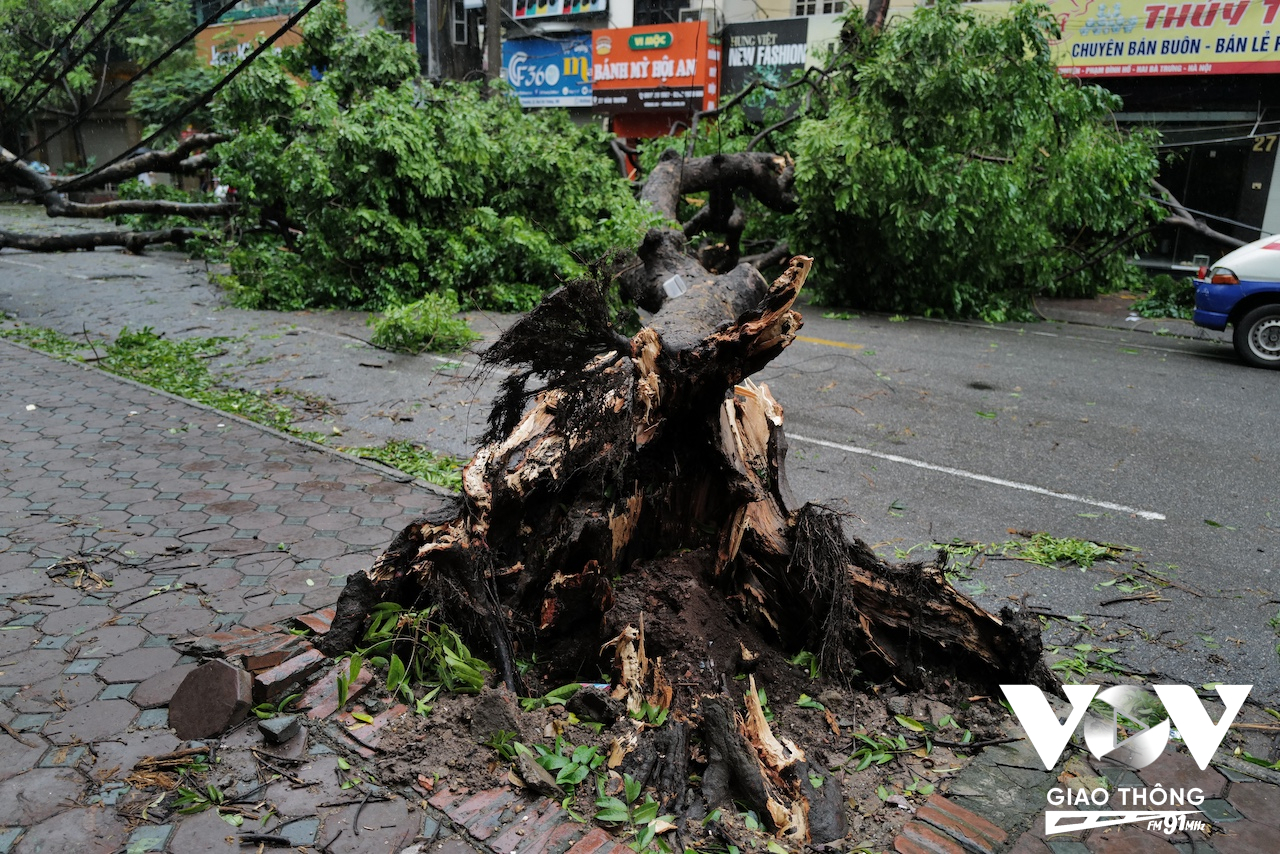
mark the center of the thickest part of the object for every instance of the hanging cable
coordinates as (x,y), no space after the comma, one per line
(116,15)
(57,50)
(198,102)
(1204,214)
(135,78)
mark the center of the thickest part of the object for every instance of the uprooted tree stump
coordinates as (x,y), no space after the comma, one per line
(649,473)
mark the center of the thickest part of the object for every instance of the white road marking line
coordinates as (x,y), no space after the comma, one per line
(21,263)
(995,481)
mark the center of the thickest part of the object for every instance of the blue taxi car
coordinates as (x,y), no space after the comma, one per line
(1242,289)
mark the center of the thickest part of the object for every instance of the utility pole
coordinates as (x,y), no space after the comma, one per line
(493,38)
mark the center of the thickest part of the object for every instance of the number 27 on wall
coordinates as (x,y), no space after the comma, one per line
(1264,143)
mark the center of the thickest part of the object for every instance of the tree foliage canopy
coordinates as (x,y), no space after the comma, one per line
(392,191)
(942,166)
(55,54)
(956,173)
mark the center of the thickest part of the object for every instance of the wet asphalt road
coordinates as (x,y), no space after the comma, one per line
(926,431)
(932,431)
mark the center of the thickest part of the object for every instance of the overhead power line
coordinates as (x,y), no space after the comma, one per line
(57,49)
(197,102)
(1204,214)
(72,122)
(116,15)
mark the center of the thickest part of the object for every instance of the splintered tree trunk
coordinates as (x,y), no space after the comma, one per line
(638,457)
(648,449)
(651,449)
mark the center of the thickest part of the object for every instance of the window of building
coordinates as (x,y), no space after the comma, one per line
(245,9)
(658,11)
(458,12)
(819,7)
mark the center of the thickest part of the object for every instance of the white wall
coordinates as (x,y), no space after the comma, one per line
(361,15)
(1271,219)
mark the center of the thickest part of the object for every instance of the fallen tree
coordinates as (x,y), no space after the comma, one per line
(643,481)
(52,193)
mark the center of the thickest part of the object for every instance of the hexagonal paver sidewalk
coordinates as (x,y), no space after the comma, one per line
(129,519)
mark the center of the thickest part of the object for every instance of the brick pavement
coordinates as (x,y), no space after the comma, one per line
(128,520)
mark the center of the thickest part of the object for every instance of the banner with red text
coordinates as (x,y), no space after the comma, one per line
(1126,38)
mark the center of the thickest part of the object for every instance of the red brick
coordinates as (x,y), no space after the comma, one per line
(487,822)
(903,845)
(273,682)
(920,837)
(269,651)
(489,801)
(961,831)
(319,622)
(321,699)
(370,734)
(562,834)
(235,634)
(530,833)
(446,799)
(595,840)
(972,819)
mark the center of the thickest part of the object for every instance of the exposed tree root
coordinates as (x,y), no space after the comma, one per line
(653,446)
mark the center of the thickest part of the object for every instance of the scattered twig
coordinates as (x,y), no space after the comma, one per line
(1149,596)
(972,745)
(324,849)
(261,757)
(355,821)
(14,735)
(267,839)
(373,799)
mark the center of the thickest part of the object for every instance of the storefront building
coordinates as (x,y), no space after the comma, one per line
(1206,75)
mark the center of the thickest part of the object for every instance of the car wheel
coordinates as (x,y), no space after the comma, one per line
(1257,337)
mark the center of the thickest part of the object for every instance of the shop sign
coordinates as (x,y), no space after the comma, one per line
(524,9)
(227,44)
(1139,38)
(660,40)
(549,72)
(673,67)
(769,51)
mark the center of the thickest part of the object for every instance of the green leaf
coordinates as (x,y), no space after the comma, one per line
(564,692)
(807,702)
(645,812)
(612,813)
(395,673)
(910,723)
(572,774)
